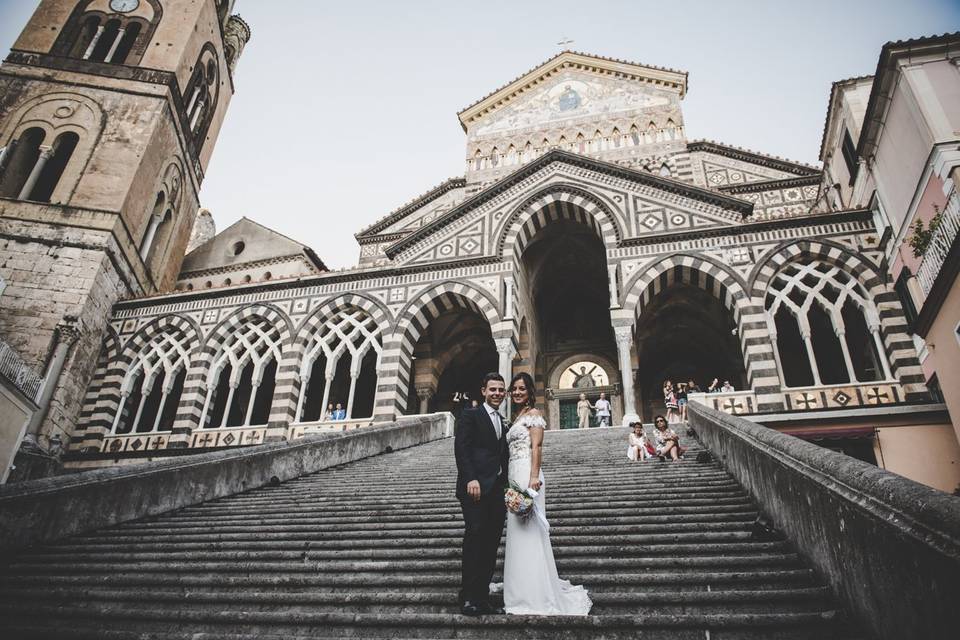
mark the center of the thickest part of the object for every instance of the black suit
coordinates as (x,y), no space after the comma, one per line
(481,456)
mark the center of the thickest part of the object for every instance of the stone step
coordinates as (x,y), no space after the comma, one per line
(249,563)
(308,540)
(444,501)
(755,579)
(745,512)
(322,530)
(270,550)
(292,620)
(647,604)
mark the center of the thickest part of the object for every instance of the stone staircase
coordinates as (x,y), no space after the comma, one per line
(371,550)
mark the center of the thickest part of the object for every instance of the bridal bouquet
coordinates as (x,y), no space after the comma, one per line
(519,501)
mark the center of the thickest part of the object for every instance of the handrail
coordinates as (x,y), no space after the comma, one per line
(888,546)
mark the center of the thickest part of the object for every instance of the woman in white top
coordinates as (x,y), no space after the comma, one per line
(531,584)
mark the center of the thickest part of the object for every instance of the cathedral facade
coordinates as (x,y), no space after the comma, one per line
(588,242)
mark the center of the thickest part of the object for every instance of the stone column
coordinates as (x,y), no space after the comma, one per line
(506,350)
(624,337)
(116,43)
(874,328)
(425,393)
(851,372)
(45,153)
(508,302)
(612,279)
(68,330)
(811,357)
(93,43)
(148,236)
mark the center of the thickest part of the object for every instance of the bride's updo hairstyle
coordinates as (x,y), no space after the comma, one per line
(528,383)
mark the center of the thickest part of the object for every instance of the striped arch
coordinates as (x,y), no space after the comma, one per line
(374,308)
(195,390)
(728,288)
(99,402)
(557,202)
(290,379)
(397,356)
(108,399)
(900,351)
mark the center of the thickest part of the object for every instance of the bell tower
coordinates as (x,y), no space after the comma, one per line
(109,112)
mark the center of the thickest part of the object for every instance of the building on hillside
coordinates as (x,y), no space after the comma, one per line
(589,242)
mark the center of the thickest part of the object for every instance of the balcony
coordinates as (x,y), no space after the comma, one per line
(940,244)
(20,375)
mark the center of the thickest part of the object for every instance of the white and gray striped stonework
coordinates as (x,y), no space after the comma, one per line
(396,360)
(729,288)
(900,351)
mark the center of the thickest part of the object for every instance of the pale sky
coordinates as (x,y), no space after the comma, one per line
(344,111)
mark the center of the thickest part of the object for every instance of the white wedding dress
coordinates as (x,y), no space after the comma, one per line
(531,584)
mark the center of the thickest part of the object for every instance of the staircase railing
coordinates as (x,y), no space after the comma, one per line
(888,546)
(19,373)
(38,511)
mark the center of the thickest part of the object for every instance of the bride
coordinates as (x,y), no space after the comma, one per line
(530,581)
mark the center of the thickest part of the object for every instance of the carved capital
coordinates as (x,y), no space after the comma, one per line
(68,330)
(505,345)
(425,393)
(623,335)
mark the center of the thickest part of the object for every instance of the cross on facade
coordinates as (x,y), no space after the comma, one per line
(158,443)
(732,406)
(564,41)
(807,400)
(205,440)
(875,396)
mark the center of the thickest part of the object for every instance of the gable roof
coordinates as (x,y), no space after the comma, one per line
(259,243)
(885,77)
(557,155)
(831,106)
(660,76)
(755,157)
(404,210)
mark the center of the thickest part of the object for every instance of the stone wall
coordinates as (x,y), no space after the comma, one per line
(889,547)
(53,508)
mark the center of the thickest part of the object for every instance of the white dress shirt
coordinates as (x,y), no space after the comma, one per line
(495,418)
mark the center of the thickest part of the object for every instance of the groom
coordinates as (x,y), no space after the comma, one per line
(482,457)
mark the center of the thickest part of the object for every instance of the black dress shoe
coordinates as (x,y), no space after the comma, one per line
(471,609)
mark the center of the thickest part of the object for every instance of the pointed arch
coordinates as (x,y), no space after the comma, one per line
(897,346)
(557,202)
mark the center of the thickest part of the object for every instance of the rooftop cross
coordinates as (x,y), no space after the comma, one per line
(564,41)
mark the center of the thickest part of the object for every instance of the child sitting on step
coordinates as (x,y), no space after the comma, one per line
(638,447)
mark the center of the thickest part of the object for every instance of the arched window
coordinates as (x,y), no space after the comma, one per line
(151,389)
(203,90)
(340,366)
(664,170)
(99,34)
(19,159)
(30,169)
(825,327)
(242,377)
(51,171)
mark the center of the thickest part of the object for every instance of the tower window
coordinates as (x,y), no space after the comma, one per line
(33,169)
(98,36)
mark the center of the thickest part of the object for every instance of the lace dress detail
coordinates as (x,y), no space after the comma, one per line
(518,437)
(531,584)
